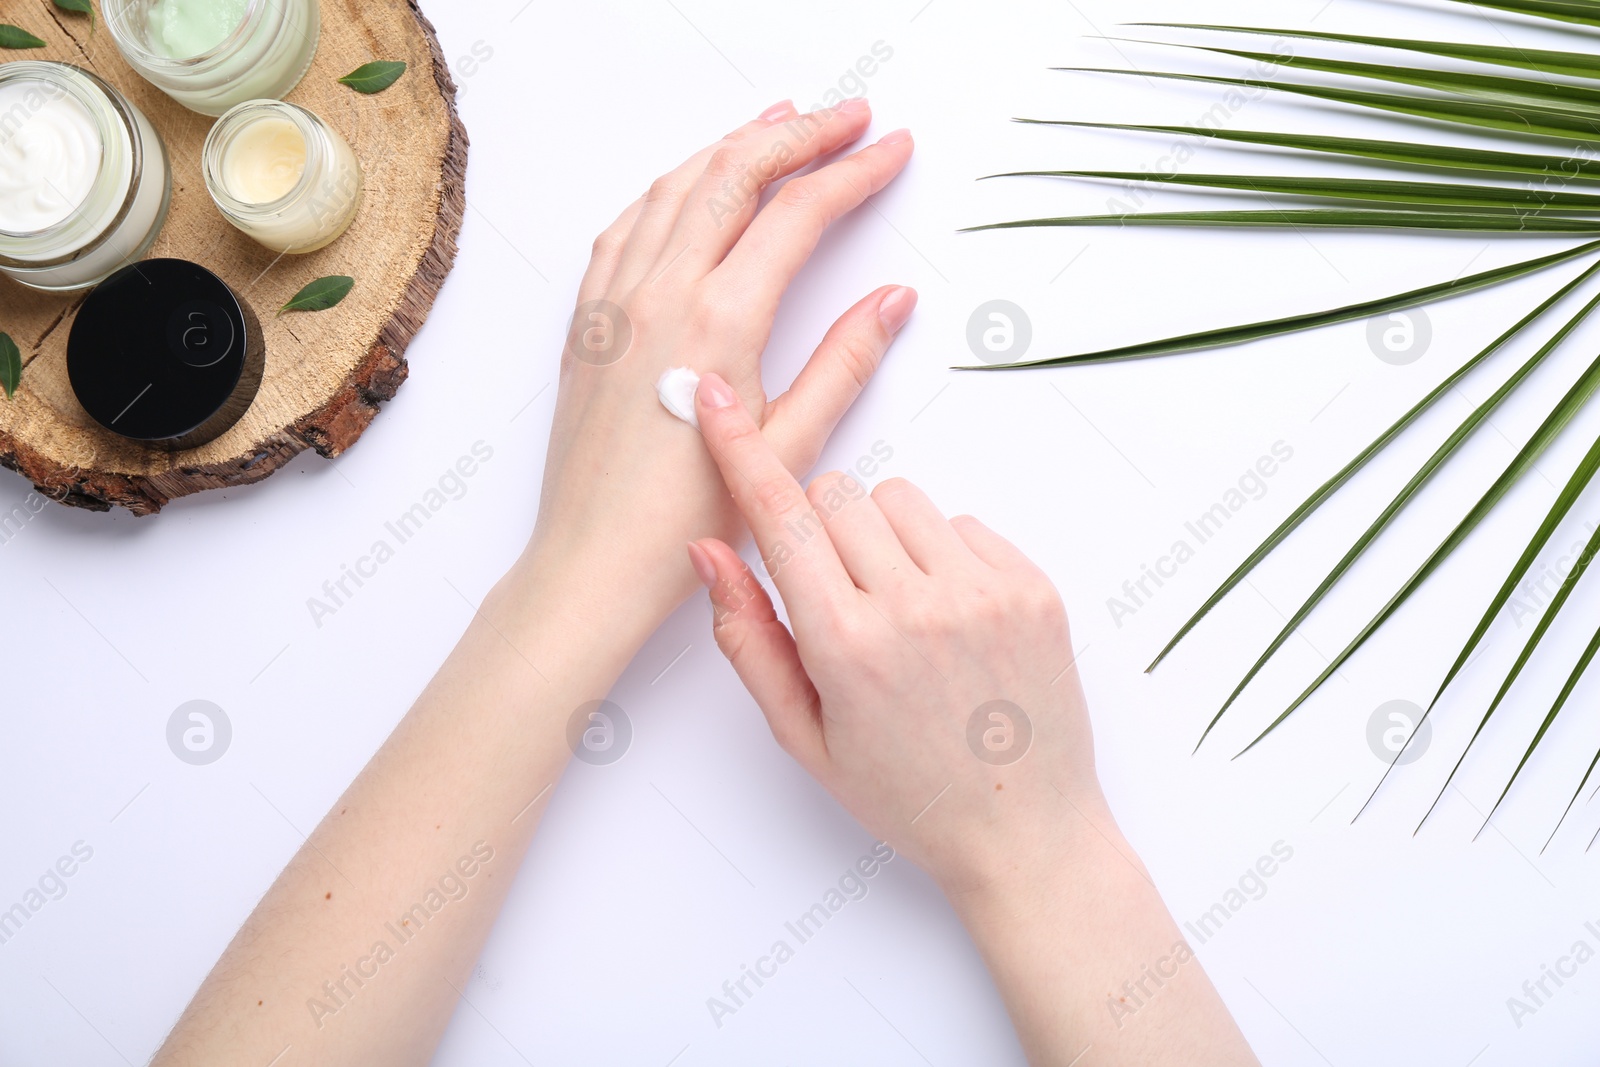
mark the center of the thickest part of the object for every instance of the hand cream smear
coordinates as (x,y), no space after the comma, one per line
(676,390)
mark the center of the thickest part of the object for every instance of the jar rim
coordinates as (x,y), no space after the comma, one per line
(135,47)
(108,109)
(234,121)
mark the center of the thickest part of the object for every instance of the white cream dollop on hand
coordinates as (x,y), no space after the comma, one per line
(676,390)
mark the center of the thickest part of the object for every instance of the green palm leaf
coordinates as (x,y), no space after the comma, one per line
(1343,219)
(1494,86)
(1572,680)
(1561,10)
(1429,194)
(1590,464)
(1541,120)
(1575,64)
(1235,335)
(1541,536)
(1480,160)
(1534,197)
(1553,424)
(1406,494)
(1568,496)
(1328,488)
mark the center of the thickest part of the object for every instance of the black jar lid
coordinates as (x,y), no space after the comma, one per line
(163,352)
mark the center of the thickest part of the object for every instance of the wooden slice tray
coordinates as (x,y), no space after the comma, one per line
(326,371)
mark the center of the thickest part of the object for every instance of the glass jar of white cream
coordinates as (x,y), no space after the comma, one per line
(209,55)
(84,179)
(282,175)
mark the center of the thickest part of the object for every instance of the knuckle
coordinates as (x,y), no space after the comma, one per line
(1039,603)
(773,494)
(803,196)
(665,189)
(729,161)
(890,488)
(717,314)
(859,357)
(851,637)
(824,482)
(927,618)
(607,246)
(648,304)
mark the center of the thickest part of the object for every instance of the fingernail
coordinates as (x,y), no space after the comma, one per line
(716,393)
(895,137)
(704,569)
(854,104)
(778,111)
(896,307)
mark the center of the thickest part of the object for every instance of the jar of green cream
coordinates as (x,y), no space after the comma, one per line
(212,54)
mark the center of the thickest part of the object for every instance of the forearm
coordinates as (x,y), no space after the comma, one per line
(1092,967)
(357,952)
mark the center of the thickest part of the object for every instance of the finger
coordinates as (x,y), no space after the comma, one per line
(793,543)
(726,197)
(787,230)
(866,543)
(989,546)
(925,533)
(800,421)
(761,650)
(607,254)
(665,198)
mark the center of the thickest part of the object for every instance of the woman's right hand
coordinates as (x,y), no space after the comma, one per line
(928,683)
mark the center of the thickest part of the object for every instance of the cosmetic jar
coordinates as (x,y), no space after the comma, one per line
(84,179)
(163,352)
(247,49)
(283,176)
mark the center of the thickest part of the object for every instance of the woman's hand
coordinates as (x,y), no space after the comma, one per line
(928,684)
(691,275)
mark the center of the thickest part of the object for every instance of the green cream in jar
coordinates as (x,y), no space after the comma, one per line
(180,29)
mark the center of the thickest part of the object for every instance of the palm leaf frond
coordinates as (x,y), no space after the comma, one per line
(1578,11)
(1328,488)
(1543,437)
(1236,335)
(1444,157)
(1425,194)
(1540,120)
(1504,189)
(1573,64)
(1410,490)
(1557,602)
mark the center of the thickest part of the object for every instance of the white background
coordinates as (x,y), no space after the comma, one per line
(655,879)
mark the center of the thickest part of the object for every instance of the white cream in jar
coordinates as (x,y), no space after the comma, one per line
(84,180)
(282,175)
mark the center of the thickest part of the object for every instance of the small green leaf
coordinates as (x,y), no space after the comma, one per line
(16,37)
(80,7)
(321,294)
(374,77)
(10,365)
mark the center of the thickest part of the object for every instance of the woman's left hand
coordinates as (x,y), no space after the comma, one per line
(690,275)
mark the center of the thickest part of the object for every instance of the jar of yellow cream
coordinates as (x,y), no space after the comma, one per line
(282,175)
(84,180)
(212,54)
